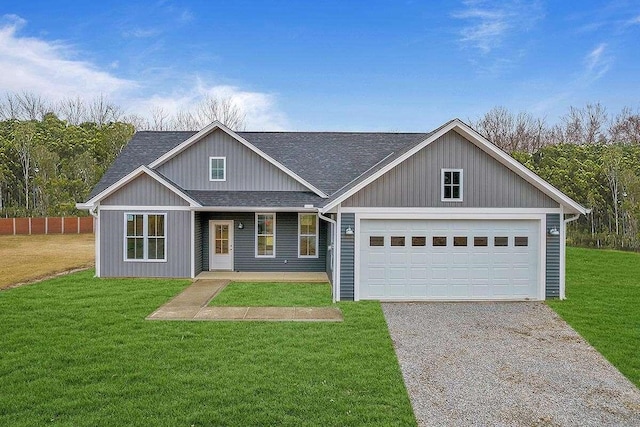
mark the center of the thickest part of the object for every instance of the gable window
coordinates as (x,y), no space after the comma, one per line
(145,237)
(217,168)
(451,185)
(307,235)
(266,235)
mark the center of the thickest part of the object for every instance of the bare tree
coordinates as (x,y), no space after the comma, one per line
(625,127)
(521,132)
(160,119)
(73,110)
(137,121)
(33,106)
(24,135)
(223,110)
(585,125)
(101,111)
(184,120)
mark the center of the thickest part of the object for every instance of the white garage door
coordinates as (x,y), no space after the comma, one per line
(448,259)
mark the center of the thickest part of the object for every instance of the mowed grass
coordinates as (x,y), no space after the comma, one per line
(76,351)
(603,304)
(244,294)
(26,258)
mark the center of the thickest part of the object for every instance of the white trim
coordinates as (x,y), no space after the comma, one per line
(145,237)
(96,216)
(442,184)
(256,235)
(130,177)
(224,169)
(193,244)
(332,255)
(217,125)
(451,216)
(482,143)
(317,235)
(453,211)
(212,243)
(146,208)
(260,209)
(542,269)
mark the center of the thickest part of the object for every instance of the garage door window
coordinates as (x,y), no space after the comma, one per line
(397,240)
(451,185)
(418,241)
(500,241)
(376,241)
(521,241)
(479,241)
(439,241)
(459,241)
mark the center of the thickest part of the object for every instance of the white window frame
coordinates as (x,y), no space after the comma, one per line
(224,168)
(316,235)
(442,185)
(145,237)
(256,234)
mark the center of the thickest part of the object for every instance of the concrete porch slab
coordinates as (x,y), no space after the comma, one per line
(267,276)
(222,313)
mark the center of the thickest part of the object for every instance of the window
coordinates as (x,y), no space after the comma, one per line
(217,168)
(460,241)
(397,240)
(439,241)
(500,241)
(418,241)
(376,241)
(521,241)
(451,185)
(480,241)
(145,237)
(266,235)
(307,235)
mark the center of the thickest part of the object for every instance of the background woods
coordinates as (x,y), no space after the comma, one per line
(52,154)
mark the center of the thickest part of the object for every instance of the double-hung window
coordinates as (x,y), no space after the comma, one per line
(451,185)
(266,235)
(307,235)
(145,237)
(217,168)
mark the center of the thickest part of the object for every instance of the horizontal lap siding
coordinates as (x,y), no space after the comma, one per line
(286,243)
(347,258)
(178,251)
(197,241)
(553,258)
(416,182)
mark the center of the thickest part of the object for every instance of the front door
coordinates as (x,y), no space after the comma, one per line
(221,247)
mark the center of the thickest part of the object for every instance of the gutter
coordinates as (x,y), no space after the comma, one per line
(333,252)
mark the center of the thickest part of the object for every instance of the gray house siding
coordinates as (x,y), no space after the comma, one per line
(112,242)
(416,181)
(286,259)
(347,258)
(552,273)
(197,242)
(245,170)
(144,191)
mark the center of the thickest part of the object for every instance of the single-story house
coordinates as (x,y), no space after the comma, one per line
(444,215)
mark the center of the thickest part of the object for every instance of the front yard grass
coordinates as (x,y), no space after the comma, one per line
(242,294)
(76,350)
(603,304)
(26,258)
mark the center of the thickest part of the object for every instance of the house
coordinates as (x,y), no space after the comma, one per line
(443,215)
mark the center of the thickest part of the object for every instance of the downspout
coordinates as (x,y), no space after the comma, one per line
(333,252)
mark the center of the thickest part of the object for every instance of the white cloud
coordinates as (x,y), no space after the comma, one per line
(597,63)
(48,69)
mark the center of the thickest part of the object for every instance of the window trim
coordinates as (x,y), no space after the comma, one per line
(145,237)
(317,235)
(256,235)
(442,185)
(224,168)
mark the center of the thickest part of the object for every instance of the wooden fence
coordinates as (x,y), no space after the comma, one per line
(47,225)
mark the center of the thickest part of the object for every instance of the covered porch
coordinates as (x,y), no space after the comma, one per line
(265,276)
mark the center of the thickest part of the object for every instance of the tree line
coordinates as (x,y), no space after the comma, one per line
(52,154)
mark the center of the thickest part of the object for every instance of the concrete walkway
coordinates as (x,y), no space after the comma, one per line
(192,304)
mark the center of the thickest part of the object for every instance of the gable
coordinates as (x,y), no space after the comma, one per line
(245,169)
(416,182)
(144,191)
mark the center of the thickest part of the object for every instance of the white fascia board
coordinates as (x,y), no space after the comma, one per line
(482,143)
(452,211)
(133,175)
(260,209)
(217,125)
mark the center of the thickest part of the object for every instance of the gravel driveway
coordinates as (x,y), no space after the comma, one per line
(505,364)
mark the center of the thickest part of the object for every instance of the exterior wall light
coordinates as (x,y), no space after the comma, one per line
(554,232)
(348,231)
(240,225)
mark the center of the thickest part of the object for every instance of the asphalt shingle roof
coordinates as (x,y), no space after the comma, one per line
(267,199)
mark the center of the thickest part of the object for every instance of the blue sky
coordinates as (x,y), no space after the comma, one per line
(329,65)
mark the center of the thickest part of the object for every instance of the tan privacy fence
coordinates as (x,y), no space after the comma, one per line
(47,225)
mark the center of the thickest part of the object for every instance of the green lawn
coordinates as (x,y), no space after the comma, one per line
(603,304)
(274,295)
(77,351)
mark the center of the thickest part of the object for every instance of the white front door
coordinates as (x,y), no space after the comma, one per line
(221,245)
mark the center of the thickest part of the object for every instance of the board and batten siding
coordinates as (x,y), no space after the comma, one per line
(244,245)
(347,258)
(416,182)
(144,191)
(177,247)
(245,170)
(552,273)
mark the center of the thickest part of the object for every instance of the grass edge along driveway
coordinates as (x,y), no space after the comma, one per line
(77,351)
(603,304)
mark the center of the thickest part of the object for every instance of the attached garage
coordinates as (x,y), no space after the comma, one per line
(449,259)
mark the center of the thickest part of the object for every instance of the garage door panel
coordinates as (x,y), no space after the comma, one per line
(453,272)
